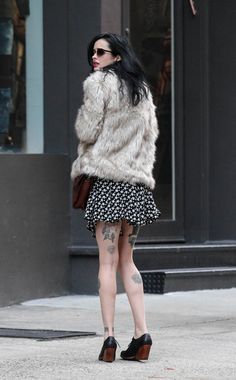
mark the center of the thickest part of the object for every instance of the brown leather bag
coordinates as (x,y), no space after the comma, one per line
(82,186)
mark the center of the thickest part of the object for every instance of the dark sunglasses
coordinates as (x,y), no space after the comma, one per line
(100,52)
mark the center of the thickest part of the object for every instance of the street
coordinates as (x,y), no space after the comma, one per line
(194,337)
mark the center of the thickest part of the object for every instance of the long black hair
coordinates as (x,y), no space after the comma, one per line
(128,69)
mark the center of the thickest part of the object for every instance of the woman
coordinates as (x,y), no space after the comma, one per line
(117,130)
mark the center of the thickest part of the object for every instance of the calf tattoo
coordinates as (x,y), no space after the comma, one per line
(137,278)
(133,235)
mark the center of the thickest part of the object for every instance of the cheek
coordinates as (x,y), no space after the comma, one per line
(107,61)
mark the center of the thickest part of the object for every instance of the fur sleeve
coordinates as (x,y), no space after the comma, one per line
(152,117)
(89,119)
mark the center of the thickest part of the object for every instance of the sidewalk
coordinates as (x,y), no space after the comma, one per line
(194,335)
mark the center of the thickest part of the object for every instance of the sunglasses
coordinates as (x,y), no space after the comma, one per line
(100,52)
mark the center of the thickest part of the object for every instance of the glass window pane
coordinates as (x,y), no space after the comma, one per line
(21,76)
(151,37)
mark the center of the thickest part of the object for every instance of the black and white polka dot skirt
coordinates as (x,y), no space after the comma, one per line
(111,201)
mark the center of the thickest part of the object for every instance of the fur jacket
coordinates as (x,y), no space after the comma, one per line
(116,139)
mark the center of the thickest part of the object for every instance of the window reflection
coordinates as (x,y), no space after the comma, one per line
(12,74)
(150,35)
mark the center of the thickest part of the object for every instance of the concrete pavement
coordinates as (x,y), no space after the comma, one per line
(194,335)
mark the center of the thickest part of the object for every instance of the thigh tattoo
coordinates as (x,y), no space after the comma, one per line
(109,231)
(111,249)
(133,235)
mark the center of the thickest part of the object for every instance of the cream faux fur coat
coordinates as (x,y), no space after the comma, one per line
(116,139)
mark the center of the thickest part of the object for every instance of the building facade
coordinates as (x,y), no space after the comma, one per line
(189,61)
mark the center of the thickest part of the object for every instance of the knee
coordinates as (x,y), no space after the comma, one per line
(125,261)
(109,265)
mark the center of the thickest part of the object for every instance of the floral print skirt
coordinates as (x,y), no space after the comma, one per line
(111,201)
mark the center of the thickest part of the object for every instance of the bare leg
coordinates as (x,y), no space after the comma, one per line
(107,235)
(131,277)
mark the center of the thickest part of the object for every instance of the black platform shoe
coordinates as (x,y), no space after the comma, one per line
(138,349)
(108,351)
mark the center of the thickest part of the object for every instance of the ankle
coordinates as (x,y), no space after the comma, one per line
(139,333)
(108,332)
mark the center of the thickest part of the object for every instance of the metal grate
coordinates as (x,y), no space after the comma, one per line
(41,334)
(153,282)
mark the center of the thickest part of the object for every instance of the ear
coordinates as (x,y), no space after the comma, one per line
(118,58)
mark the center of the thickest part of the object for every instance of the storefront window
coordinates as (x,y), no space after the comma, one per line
(21,78)
(150,33)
